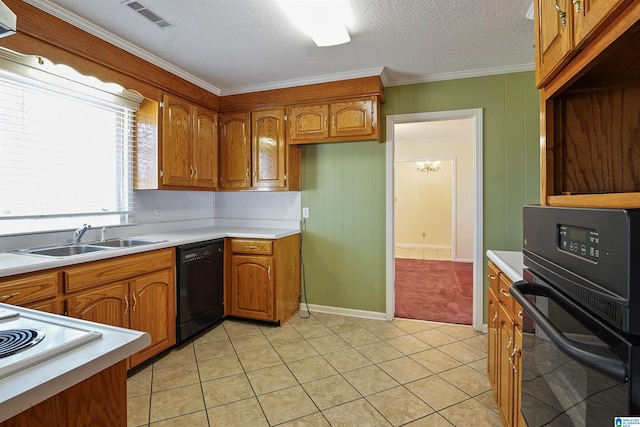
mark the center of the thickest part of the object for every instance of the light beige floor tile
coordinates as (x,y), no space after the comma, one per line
(359,337)
(331,391)
(296,351)
(177,356)
(479,365)
(436,392)
(313,420)
(271,379)
(245,413)
(138,410)
(405,370)
(328,344)
(347,360)
(282,335)
(370,380)
(467,379)
(191,420)
(416,253)
(410,326)
(408,344)
(341,324)
(310,369)
(459,332)
(226,390)
(356,413)
(488,399)
(433,420)
(435,360)
(217,368)
(399,406)
(259,359)
(327,317)
(286,405)
(217,333)
(212,349)
(463,352)
(385,330)
(402,252)
(175,376)
(434,337)
(140,383)
(379,352)
(176,402)
(250,343)
(312,329)
(471,410)
(479,342)
(238,328)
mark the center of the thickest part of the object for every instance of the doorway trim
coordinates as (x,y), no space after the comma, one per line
(478,242)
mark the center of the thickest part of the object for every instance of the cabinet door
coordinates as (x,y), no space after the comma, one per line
(354,118)
(518,419)
(235,150)
(109,305)
(553,37)
(268,149)
(252,287)
(309,123)
(205,149)
(177,125)
(153,311)
(506,343)
(492,339)
(591,14)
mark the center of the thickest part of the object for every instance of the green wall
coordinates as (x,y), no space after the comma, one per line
(344,186)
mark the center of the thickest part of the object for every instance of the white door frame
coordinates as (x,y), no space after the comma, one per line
(478,258)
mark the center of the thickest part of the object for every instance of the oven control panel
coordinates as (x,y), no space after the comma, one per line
(582,242)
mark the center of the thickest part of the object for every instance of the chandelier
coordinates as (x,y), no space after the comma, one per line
(428,166)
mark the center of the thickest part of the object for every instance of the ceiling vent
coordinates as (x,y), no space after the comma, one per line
(147,13)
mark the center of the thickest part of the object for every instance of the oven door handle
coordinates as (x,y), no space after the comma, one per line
(594,357)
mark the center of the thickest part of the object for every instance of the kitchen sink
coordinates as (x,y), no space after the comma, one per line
(66,250)
(122,243)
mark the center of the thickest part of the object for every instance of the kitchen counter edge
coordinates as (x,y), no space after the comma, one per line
(510,262)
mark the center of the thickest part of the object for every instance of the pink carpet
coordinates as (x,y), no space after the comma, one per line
(440,291)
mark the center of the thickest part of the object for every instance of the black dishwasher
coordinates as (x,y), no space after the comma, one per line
(200,287)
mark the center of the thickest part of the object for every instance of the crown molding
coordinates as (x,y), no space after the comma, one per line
(427,78)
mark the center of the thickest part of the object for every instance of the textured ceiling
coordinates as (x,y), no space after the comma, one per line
(235,46)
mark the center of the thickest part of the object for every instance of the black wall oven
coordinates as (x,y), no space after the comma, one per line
(581,356)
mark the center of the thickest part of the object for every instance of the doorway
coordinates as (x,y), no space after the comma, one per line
(466,235)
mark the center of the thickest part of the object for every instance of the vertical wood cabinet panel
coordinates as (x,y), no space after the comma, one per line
(177,166)
(108,305)
(352,118)
(309,123)
(268,148)
(252,286)
(235,150)
(205,149)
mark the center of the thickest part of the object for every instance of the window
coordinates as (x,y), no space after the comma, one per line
(66,149)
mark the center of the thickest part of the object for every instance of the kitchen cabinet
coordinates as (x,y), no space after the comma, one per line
(264,278)
(589,104)
(504,346)
(135,291)
(254,154)
(349,120)
(31,289)
(189,144)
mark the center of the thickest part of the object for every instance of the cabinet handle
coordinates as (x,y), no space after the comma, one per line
(126,304)
(325,122)
(495,328)
(269,273)
(135,302)
(520,314)
(251,247)
(491,277)
(505,293)
(511,356)
(246,175)
(562,13)
(510,342)
(191,166)
(333,122)
(196,167)
(11,295)
(576,5)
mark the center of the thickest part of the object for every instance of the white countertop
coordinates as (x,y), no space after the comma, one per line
(33,385)
(11,264)
(510,262)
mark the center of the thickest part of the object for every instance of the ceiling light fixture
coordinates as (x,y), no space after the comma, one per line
(325,21)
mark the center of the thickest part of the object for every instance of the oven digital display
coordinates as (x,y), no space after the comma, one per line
(582,242)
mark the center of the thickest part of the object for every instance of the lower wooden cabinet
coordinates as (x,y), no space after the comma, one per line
(263,282)
(504,346)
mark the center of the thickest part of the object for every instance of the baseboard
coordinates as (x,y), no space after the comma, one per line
(343,311)
(422,246)
(463,260)
(485,328)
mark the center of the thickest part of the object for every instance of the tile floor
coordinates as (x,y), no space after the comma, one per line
(326,370)
(438,254)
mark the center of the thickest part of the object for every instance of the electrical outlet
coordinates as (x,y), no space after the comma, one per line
(305,212)
(158,213)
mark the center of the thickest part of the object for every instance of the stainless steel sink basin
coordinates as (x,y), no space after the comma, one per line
(122,243)
(67,250)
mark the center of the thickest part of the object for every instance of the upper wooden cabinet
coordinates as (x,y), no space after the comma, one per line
(254,153)
(589,108)
(189,144)
(562,26)
(338,121)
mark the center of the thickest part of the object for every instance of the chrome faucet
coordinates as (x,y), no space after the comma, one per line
(77,235)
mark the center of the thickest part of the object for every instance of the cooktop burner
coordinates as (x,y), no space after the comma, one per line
(15,340)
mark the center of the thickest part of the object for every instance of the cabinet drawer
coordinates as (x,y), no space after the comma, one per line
(504,295)
(249,246)
(101,272)
(493,275)
(19,290)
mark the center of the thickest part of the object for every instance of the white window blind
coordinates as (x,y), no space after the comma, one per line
(66,152)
